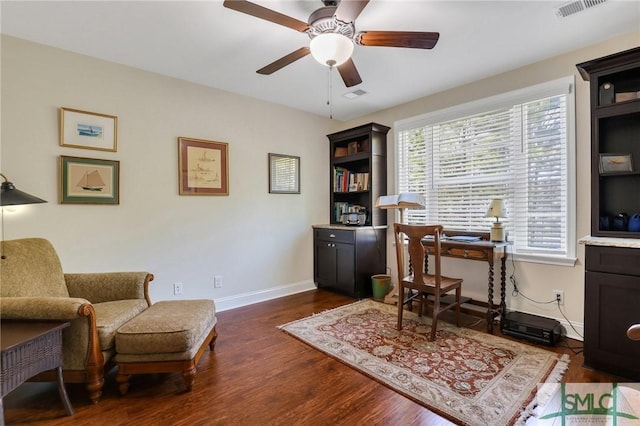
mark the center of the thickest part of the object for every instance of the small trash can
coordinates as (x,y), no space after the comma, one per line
(381,284)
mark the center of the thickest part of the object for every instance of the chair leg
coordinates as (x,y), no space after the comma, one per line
(436,312)
(400,307)
(458,298)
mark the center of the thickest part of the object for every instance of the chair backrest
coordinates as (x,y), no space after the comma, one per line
(31,268)
(417,251)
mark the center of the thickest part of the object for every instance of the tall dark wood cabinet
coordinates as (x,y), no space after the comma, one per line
(612,252)
(615,142)
(346,256)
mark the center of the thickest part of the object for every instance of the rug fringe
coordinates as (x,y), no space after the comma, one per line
(542,397)
(280,327)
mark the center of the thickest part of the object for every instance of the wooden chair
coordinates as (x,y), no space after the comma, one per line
(419,280)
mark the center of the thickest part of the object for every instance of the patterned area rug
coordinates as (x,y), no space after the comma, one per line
(470,377)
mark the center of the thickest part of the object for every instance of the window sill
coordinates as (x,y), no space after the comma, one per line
(549,260)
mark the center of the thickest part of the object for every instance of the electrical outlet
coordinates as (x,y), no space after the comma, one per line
(558,295)
(217,281)
(177,288)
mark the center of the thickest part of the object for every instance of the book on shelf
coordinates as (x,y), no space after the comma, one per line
(347,181)
(406,199)
(340,207)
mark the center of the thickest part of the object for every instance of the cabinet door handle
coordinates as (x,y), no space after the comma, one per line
(332,235)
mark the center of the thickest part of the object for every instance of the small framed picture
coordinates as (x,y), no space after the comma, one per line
(88,130)
(352,148)
(284,174)
(615,163)
(203,167)
(89,181)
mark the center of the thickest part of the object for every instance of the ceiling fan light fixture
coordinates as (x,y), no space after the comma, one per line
(331,49)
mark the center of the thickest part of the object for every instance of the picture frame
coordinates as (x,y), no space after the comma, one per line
(89,181)
(88,130)
(352,148)
(203,167)
(615,163)
(284,174)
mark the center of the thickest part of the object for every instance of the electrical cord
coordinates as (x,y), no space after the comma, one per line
(516,291)
(565,317)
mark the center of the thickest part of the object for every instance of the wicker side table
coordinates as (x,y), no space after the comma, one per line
(29,348)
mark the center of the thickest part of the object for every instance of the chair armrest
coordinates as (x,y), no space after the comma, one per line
(81,348)
(109,286)
(42,308)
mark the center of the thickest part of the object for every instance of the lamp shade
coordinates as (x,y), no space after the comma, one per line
(331,49)
(497,208)
(10,196)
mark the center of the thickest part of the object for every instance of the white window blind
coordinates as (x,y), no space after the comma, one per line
(518,146)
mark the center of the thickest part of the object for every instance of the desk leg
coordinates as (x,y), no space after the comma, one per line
(63,393)
(490,308)
(503,287)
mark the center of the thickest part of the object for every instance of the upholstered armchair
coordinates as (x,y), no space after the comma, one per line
(34,287)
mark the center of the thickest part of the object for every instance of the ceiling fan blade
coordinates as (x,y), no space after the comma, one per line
(349,73)
(284,61)
(348,10)
(266,14)
(412,39)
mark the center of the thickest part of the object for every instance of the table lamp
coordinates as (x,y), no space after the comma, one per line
(497,209)
(11,196)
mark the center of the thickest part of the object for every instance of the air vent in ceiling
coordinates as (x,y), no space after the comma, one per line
(574,7)
(354,94)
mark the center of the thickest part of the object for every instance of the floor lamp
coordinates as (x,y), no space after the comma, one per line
(400,202)
(11,196)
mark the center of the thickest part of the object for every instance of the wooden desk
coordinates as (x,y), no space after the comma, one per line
(485,251)
(29,348)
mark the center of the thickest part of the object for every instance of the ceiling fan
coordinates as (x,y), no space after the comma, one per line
(333,34)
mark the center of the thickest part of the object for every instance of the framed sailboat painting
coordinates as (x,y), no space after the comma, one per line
(89,181)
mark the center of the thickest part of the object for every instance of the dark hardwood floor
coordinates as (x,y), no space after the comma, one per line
(257,375)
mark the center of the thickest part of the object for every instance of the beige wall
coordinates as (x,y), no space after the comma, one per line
(260,243)
(535,280)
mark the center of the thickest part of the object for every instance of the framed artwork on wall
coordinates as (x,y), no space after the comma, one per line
(89,181)
(88,130)
(284,174)
(203,167)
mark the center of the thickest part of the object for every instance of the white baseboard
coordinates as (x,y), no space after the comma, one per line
(239,300)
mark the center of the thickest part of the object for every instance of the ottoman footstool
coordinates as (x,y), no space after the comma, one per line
(169,336)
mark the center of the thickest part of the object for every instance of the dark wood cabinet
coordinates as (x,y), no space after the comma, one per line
(345,257)
(615,142)
(358,172)
(612,277)
(612,301)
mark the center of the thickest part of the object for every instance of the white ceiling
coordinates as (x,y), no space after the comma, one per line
(206,43)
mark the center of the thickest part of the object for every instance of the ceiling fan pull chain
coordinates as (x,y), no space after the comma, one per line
(330,89)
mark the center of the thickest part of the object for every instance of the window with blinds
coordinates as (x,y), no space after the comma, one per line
(517,146)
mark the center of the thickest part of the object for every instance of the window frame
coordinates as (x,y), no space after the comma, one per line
(562,86)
